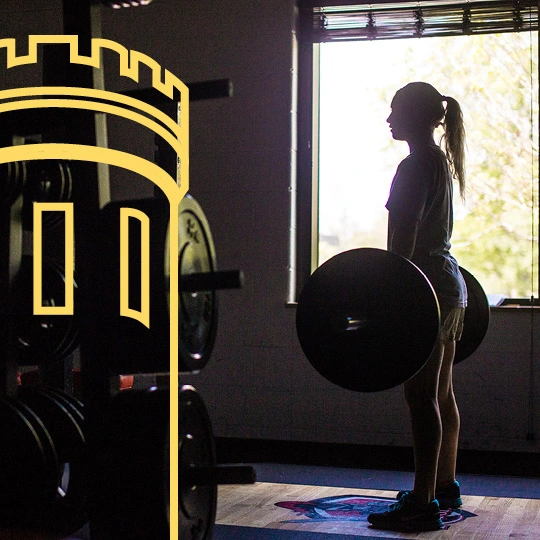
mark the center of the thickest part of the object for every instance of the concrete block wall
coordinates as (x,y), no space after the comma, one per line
(258,383)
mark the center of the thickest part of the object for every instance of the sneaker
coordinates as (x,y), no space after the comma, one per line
(448,498)
(408,515)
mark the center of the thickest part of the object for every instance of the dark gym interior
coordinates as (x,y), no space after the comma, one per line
(248,70)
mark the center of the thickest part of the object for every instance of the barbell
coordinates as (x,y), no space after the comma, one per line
(368,319)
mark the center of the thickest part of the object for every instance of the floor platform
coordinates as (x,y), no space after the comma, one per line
(493,507)
(292,502)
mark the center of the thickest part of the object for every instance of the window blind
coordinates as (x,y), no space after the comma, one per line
(341,21)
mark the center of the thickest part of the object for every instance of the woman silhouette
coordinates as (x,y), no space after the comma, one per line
(419,228)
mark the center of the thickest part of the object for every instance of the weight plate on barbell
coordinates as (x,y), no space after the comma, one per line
(127,345)
(477,314)
(367,319)
(41,339)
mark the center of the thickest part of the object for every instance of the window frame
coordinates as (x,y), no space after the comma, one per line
(307,238)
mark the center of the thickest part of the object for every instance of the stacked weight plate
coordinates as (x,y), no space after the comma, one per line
(134,500)
(63,464)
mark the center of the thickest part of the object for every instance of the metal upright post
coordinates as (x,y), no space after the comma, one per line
(91,191)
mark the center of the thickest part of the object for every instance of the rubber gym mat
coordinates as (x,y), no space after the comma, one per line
(233,532)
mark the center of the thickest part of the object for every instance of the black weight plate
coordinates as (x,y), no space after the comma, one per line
(367,319)
(28,466)
(12,180)
(46,181)
(476,323)
(132,467)
(71,403)
(198,310)
(126,345)
(71,334)
(197,504)
(41,339)
(67,511)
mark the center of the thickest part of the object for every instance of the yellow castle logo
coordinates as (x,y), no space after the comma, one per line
(175,134)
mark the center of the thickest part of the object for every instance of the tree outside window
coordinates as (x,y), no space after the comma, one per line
(494,77)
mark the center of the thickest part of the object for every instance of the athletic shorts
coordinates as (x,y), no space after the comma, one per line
(451,323)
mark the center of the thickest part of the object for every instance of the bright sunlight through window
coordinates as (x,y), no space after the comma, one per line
(494,77)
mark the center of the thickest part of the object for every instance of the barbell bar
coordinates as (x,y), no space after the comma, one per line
(219,475)
(368,319)
(211,281)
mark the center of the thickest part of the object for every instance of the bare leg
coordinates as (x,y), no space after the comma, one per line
(446,471)
(421,396)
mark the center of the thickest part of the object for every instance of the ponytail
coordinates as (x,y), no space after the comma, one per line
(426,104)
(454,141)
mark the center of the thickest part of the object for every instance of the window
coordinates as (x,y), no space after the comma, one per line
(363,57)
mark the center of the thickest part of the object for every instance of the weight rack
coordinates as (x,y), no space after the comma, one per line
(106,435)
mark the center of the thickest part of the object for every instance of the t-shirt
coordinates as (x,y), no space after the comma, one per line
(422,192)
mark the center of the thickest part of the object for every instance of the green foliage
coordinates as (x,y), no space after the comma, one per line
(494,77)
(496,237)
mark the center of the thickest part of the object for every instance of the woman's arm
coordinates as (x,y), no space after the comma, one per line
(403,239)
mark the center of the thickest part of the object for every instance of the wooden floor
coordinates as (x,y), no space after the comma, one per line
(255,506)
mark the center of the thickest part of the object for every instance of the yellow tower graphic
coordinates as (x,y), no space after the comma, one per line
(176,134)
